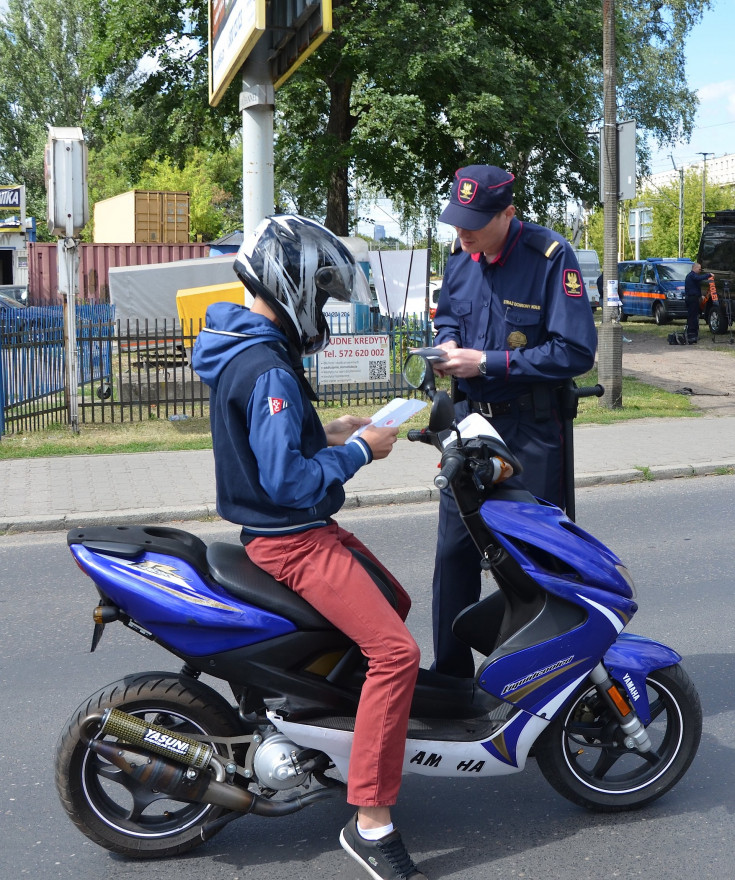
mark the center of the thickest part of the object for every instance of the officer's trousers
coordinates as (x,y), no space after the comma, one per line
(692,303)
(457,584)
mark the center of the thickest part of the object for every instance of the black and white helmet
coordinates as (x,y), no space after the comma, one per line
(296,265)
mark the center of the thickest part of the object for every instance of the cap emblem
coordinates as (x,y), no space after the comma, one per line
(467,190)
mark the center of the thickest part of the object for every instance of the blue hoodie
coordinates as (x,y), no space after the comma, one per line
(275,473)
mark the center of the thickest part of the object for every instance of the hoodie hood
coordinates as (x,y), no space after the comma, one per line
(229,330)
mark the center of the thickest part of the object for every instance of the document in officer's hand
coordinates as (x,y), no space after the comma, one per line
(393,414)
(431,354)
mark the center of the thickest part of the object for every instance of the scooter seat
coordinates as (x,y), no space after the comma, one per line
(233,569)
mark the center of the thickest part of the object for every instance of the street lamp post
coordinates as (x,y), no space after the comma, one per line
(704,180)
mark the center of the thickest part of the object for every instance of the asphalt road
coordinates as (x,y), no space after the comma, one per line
(675,538)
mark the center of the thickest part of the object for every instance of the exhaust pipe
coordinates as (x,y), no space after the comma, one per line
(186,780)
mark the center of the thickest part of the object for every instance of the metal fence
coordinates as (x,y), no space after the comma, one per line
(132,371)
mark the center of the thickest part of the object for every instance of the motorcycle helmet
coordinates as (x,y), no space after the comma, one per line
(296,265)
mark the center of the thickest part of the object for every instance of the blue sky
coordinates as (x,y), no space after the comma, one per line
(711,75)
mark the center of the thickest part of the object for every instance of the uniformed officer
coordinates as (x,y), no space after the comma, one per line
(692,295)
(516,323)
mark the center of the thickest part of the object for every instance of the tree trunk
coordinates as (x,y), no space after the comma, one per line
(339,131)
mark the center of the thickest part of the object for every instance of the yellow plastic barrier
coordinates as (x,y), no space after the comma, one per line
(192,302)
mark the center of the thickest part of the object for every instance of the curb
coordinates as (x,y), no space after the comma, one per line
(353,501)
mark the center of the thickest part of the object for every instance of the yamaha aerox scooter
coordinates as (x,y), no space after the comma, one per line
(155,763)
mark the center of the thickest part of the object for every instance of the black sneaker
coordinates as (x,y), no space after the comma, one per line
(384,859)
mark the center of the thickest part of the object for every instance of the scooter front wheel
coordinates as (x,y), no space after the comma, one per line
(583,756)
(111,808)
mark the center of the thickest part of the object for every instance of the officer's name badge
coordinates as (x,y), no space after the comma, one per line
(572,282)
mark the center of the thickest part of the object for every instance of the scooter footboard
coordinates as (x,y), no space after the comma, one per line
(630,659)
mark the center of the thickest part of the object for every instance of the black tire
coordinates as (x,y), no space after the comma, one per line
(623,316)
(716,321)
(582,755)
(660,315)
(108,806)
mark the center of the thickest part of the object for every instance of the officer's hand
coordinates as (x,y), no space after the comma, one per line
(380,440)
(439,367)
(341,429)
(462,362)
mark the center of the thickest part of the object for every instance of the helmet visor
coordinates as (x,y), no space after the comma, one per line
(345,282)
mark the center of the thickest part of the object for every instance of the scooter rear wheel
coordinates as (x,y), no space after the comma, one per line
(582,754)
(111,808)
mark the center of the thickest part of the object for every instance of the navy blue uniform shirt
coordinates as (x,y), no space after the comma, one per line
(527,310)
(693,283)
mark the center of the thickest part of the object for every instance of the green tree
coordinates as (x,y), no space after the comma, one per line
(210,180)
(45,79)
(666,213)
(402,93)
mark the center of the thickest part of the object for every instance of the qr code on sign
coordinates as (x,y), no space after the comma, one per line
(377,370)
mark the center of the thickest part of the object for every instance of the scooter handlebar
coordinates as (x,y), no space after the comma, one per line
(452,464)
(589,391)
(419,435)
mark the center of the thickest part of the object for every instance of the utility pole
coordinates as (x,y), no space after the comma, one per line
(681,205)
(704,180)
(610,338)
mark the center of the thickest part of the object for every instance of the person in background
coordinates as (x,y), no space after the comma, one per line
(280,475)
(692,297)
(515,323)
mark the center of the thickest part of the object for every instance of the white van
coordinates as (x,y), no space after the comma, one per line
(589,263)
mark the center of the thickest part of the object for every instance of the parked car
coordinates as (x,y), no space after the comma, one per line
(589,264)
(10,302)
(653,287)
(717,257)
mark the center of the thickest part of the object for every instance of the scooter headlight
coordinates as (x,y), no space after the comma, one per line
(626,576)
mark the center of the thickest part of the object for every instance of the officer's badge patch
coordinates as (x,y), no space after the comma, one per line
(572,282)
(276,405)
(466,191)
(517,339)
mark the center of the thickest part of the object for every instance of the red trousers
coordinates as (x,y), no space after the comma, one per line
(318,565)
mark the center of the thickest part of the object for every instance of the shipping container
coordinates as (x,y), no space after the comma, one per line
(143,217)
(95,262)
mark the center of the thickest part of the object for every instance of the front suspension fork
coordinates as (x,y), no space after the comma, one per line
(636,736)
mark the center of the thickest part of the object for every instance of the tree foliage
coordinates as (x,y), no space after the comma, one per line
(401,94)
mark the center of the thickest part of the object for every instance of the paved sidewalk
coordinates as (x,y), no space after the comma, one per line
(58,493)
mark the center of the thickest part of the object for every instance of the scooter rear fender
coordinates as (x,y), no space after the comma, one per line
(630,659)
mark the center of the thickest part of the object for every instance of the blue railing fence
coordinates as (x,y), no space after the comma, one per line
(134,370)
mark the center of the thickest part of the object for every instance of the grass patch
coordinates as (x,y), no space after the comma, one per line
(153,435)
(640,401)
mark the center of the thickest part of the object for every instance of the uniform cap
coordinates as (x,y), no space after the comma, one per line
(479,192)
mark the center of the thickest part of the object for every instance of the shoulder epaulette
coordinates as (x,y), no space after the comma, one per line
(543,241)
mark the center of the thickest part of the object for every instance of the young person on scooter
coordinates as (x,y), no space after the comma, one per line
(280,475)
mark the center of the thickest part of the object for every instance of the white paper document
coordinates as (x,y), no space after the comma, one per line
(394,413)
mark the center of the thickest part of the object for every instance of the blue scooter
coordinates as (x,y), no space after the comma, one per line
(155,763)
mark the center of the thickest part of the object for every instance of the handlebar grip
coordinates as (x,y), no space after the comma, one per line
(590,391)
(452,464)
(418,435)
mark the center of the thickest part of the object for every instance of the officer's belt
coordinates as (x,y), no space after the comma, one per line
(524,403)
(540,401)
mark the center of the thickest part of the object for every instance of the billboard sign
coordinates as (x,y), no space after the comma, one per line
(12,208)
(296,29)
(235,26)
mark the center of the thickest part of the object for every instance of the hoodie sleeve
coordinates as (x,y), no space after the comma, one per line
(276,425)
